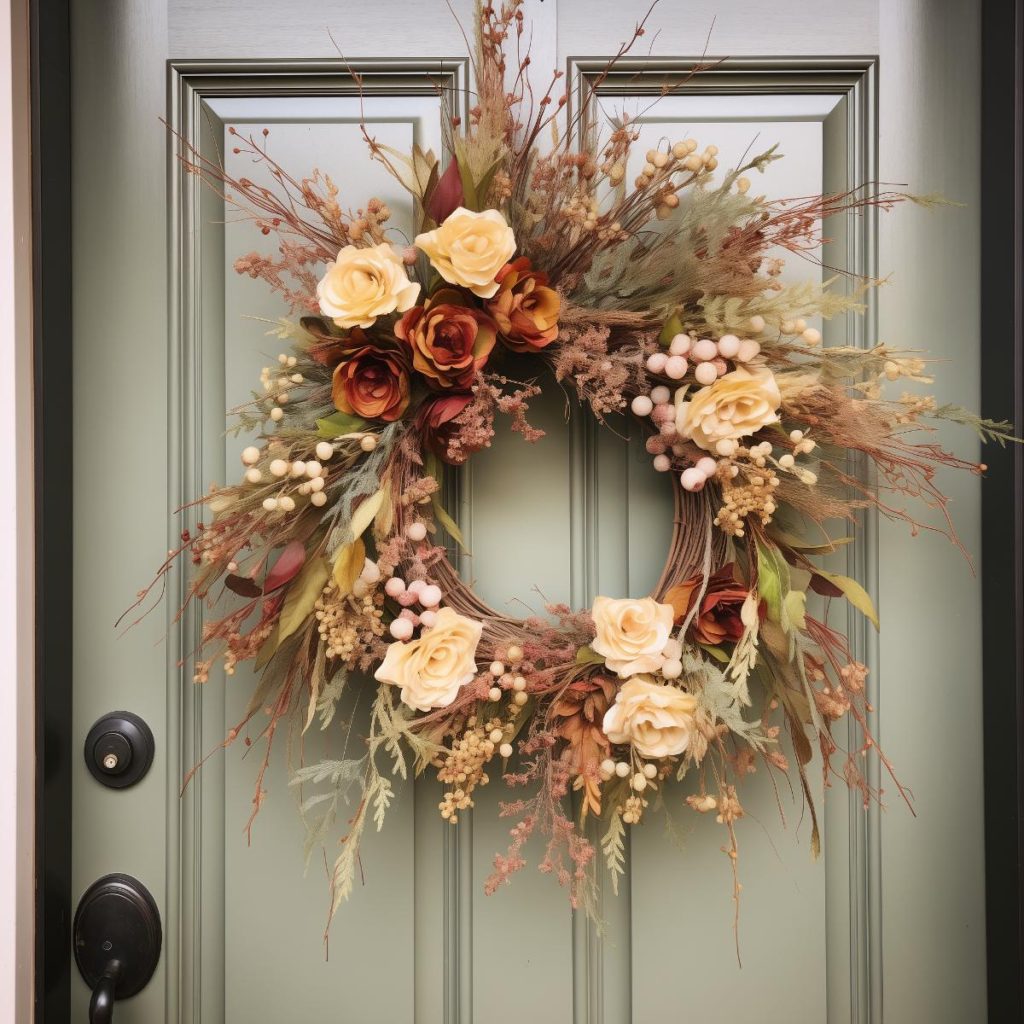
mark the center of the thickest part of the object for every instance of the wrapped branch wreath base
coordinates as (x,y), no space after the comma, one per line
(656,293)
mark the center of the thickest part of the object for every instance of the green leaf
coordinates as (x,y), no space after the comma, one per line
(469,197)
(441,515)
(302,595)
(673,326)
(268,648)
(432,467)
(772,581)
(717,653)
(588,656)
(853,592)
(795,603)
(338,424)
(365,514)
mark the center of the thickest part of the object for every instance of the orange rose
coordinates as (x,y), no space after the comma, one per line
(449,340)
(372,383)
(718,620)
(524,307)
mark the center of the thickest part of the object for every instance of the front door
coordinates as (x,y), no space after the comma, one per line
(888,923)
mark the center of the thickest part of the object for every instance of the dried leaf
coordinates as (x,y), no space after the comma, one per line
(301,596)
(588,656)
(348,564)
(385,519)
(441,515)
(852,591)
(446,196)
(287,566)
(243,586)
(673,326)
(364,515)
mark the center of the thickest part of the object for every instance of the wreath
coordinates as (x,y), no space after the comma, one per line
(654,291)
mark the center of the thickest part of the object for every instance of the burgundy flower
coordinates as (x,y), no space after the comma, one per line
(435,421)
(718,619)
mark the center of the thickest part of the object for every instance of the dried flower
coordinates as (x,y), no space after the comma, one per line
(449,340)
(434,667)
(656,719)
(631,633)
(736,405)
(434,422)
(371,382)
(718,619)
(363,284)
(525,307)
(469,249)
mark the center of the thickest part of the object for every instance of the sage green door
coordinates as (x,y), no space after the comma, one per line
(888,923)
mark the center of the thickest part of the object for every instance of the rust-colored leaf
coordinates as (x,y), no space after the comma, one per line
(287,566)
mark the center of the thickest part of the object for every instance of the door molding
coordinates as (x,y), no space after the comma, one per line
(195,725)
(853,867)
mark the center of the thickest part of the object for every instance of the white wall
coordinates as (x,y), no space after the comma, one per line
(17,768)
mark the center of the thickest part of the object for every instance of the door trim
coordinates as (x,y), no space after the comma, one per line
(50,57)
(1002,508)
(195,987)
(855,908)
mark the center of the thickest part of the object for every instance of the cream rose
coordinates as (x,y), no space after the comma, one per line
(632,633)
(432,668)
(736,405)
(363,284)
(657,719)
(469,249)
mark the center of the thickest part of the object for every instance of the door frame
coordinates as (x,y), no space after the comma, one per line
(1002,517)
(1002,324)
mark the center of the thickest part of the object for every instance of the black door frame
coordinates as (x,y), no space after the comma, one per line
(51,270)
(1002,566)
(1002,326)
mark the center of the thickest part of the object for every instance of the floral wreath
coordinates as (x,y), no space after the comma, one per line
(659,295)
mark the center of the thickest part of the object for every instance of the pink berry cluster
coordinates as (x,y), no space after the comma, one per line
(710,358)
(427,596)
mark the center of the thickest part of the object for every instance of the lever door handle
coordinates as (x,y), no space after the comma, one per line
(101,1006)
(117,941)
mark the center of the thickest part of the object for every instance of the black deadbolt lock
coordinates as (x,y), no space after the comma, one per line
(119,749)
(117,941)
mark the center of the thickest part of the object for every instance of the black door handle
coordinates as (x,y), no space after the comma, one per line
(101,1006)
(117,941)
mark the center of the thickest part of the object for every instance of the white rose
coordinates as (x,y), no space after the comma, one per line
(657,719)
(363,284)
(432,668)
(736,405)
(632,633)
(469,249)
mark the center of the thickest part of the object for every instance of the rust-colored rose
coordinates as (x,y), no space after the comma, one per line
(524,307)
(718,619)
(449,340)
(371,382)
(434,421)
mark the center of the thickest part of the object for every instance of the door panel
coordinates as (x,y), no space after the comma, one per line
(579,513)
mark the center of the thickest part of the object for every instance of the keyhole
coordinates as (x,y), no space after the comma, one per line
(110,762)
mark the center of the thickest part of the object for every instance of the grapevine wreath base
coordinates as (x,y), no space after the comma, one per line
(550,251)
